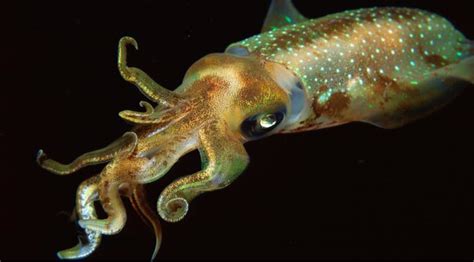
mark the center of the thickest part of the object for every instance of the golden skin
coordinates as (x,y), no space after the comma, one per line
(218,93)
(224,101)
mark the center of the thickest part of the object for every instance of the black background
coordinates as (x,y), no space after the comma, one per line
(354,191)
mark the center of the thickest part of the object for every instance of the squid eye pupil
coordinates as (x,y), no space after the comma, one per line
(258,125)
(267,120)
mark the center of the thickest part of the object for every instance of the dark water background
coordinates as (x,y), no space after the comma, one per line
(353,191)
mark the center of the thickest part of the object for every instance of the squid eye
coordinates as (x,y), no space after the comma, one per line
(261,124)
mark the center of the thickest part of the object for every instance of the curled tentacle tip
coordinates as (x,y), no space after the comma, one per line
(66,254)
(174,209)
(61,255)
(72,253)
(76,252)
(148,107)
(129,40)
(40,157)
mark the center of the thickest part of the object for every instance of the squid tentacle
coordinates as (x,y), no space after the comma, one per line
(140,204)
(112,204)
(166,117)
(224,159)
(136,76)
(148,107)
(86,195)
(126,143)
(149,110)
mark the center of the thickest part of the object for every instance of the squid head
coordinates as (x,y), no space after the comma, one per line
(224,101)
(232,98)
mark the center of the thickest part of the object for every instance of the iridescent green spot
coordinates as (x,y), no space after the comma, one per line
(412,63)
(324,97)
(414,82)
(459,53)
(288,19)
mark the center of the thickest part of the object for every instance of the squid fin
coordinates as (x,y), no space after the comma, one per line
(463,70)
(281,13)
(438,89)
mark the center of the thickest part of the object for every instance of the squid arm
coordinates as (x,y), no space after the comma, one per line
(140,204)
(85,197)
(223,159)
(136,76)
(164,117)
(124,144)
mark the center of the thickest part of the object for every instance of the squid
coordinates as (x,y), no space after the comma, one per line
(383,66)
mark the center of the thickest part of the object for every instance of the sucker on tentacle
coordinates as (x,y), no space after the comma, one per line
(383,66)
(86,195)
